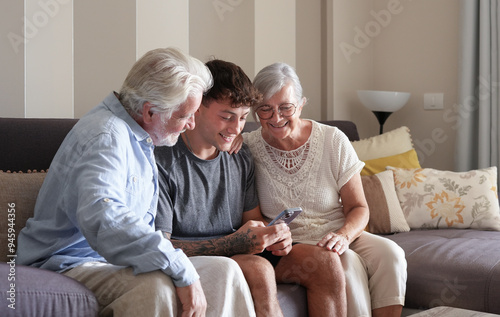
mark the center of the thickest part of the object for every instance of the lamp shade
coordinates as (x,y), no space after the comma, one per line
(387,101)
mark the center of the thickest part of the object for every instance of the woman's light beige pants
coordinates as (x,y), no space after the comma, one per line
(121,293)
(375,270)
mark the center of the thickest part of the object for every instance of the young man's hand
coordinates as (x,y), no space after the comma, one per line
(257,237)
(283,247)
(251,238)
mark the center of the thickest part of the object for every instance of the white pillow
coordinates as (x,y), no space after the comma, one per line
(386,144)
(433,199)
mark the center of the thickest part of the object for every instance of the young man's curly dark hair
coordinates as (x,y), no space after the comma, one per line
(231,84)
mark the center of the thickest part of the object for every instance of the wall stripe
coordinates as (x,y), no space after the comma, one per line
(49,55)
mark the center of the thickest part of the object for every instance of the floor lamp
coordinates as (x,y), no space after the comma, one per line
(383,103)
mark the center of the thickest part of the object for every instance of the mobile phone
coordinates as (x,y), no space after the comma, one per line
(286,216)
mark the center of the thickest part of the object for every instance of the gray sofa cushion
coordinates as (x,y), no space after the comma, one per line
(293,300)
(452,267)
(44,293)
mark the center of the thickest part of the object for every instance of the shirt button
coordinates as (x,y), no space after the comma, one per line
(107,200)
(149,140)
(134,179)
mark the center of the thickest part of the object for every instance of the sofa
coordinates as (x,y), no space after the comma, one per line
(446,267)
(28,146)
(447,223)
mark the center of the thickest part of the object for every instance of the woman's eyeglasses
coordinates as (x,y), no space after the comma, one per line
(285,110)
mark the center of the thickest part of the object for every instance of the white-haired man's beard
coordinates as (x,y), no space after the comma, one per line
(170,139)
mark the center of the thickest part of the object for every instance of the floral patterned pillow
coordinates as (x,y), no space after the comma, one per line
(433,199)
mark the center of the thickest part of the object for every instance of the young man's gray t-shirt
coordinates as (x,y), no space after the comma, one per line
(200,199)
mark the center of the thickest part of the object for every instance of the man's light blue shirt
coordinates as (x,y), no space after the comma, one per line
(98,201)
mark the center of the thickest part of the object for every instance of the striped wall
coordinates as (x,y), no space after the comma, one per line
(59,58)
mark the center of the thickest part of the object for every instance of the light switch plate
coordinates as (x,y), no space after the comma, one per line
(433,101)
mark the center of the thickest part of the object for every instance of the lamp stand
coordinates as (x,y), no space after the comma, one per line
(381,117)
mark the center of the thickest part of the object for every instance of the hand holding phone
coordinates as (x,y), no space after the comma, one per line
(286,216)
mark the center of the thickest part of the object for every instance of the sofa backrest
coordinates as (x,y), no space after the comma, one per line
(30,144)
(348,127)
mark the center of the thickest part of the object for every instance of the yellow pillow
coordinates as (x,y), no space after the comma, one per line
(407,159)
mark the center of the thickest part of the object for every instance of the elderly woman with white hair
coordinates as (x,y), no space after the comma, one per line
(304,163)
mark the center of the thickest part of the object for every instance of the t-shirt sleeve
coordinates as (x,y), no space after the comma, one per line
(345,162)
(165,210)
(251,197)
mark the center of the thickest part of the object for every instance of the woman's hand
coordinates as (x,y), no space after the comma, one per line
(356,217)
(335,242)
(236,145)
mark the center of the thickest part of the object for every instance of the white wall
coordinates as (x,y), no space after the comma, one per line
(79,51)
(398,45)
(37,58)
(162,23)
(11,59)
(418,52)
(352,61)
(104,48)
(84,49)
(49,54)
(310,44)
(275,33)
(224,30)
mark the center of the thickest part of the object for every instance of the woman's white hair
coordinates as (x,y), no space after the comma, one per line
(166,78)
(271,79)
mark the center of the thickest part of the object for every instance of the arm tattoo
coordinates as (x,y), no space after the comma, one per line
(233,244)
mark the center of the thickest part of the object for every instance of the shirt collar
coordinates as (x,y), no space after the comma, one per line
(116,107)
